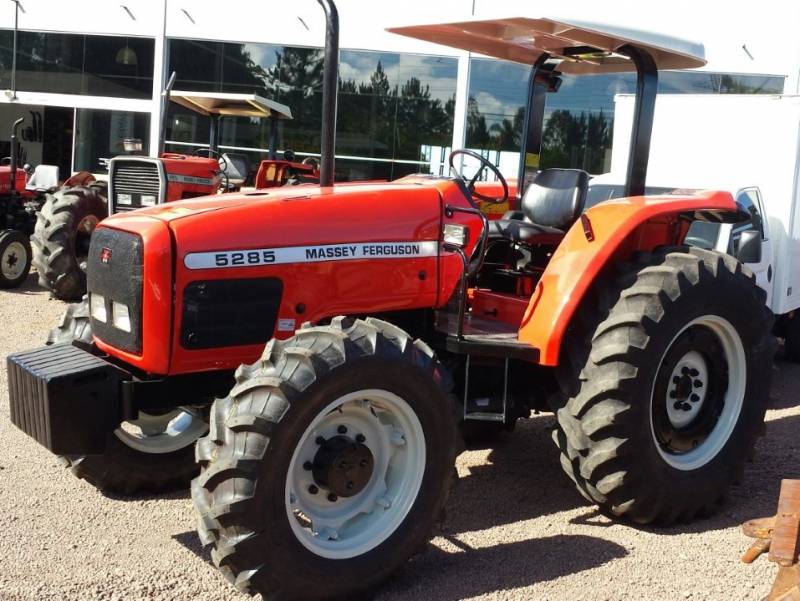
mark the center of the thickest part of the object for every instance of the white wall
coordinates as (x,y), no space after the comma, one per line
(767,28)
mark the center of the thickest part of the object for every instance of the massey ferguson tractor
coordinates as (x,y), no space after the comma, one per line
(307,356)
(67,220)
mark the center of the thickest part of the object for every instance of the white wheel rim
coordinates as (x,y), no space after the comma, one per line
(349,527)
(158,434)
(14,258)
(733,398)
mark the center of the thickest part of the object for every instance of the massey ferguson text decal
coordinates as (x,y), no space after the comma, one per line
(311,254)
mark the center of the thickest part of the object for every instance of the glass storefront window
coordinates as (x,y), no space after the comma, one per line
(99,136)
(579,118)
(79,64)
(391,106)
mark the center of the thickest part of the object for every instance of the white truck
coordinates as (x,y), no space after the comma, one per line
(748,145)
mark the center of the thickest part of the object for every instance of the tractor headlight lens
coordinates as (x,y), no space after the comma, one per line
(124,199)
(132,145)
(97,307)
(120,316)
(455,234)
(148,200)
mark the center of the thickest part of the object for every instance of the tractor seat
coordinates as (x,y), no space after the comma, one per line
(44,178)
(552,202)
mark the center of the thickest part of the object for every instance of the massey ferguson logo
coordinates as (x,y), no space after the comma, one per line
(105,255)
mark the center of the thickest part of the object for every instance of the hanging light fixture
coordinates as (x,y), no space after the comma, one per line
(126,56)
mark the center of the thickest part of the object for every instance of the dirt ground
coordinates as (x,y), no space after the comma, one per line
(515,528)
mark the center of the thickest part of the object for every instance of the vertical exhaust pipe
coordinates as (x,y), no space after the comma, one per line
(14,154)
(330,90)
(162,132)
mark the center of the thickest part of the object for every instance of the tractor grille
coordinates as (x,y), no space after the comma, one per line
(115,271)
(134,183)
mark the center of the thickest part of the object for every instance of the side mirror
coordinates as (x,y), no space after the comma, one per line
(749,250)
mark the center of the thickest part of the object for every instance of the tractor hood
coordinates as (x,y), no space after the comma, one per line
(295,216)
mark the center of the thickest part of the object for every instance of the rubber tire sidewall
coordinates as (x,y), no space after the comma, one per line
(695,488)
(7,237)
(321,577)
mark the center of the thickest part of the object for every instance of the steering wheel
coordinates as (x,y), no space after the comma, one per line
(213,154)
(311,162)
(5,161)
(485,164)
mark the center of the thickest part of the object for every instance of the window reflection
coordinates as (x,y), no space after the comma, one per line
(579,118)
(391,106)
(79,64)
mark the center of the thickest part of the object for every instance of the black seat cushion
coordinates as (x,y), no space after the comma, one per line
(555,197)
(522,231)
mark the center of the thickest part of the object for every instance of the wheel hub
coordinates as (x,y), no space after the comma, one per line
(687,389)
(343,466)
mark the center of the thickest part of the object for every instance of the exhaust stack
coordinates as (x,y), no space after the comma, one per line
(330,90)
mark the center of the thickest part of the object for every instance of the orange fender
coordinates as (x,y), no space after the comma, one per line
(617,228)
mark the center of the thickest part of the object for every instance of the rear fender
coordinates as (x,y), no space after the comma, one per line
(608,234)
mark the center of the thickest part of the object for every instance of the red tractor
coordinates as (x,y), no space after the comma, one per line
(22,193)
(316,350)
(70,215)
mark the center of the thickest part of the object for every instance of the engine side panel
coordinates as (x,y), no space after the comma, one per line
(617,228)
(358,249)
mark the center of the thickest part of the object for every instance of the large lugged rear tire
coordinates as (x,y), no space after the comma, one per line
(328,464)
(152,454)
(61,237)
(666,376)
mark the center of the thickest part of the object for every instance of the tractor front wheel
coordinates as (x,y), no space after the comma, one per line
(328,464)
(153,453)
(667,379)
(64,227)
(15,258)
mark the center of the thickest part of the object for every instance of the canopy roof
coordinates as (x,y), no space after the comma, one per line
(584,47)
(231,105)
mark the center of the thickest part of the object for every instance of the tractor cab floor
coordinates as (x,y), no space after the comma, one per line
(485,338)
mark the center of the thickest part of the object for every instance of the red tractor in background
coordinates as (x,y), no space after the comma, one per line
(67,219)
(23,192)
(319,350)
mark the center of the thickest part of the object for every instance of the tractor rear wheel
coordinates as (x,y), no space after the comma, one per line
(328,464)
(666,378)
(64,227)
(153,453)
(15,258)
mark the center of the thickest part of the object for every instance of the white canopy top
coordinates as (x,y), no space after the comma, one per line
(231,105)
(524,39)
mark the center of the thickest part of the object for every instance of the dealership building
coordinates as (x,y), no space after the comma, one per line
(89,73)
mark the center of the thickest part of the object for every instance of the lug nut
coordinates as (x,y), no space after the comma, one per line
(698,384)
(320,440)
(694,373)
(678,405)
(685,371)
(342,429)
(332,497)
(694,398)
(687,407)
(308,466)
(360,438)
(672,394)
(350,485)
(676,379)
(313,489)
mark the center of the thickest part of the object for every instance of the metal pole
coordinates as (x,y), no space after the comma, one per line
(330,89)
(14,52)
(643,114)
(273,136)
(213,132)
(533,125)
(162,132)
(14,153)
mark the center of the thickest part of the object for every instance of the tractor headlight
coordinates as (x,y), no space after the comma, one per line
(148,200)
(120,317)
(97,307)
(455,234)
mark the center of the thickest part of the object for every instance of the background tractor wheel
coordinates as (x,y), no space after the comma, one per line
(667,378)
(153,453)
(329,463)
(61,238)
(15,258)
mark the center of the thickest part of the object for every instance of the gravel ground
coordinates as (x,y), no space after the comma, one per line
(515,528)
